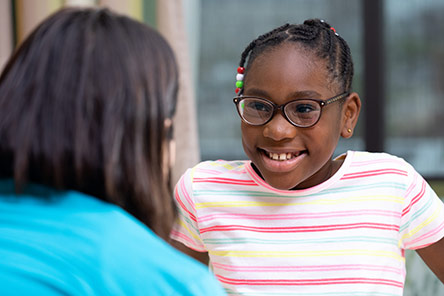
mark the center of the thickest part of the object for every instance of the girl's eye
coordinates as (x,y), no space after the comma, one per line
(258,106)
(304,108)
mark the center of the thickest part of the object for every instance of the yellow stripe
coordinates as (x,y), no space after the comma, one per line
(229,167)
(293,254)
(415,230)
(185,226)
(385,198)
(222,164)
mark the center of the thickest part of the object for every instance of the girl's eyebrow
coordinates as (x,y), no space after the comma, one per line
(306,94)
(293,95)
(256,92)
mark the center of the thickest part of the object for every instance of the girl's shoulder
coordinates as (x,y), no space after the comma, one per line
(221,166)
(379,162)
(376,158)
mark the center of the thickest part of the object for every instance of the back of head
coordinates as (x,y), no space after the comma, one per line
(315,36)
(83,104)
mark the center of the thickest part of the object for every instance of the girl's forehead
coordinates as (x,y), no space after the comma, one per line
(289,66)
(286,64)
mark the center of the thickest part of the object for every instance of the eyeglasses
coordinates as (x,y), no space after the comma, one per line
(300,112)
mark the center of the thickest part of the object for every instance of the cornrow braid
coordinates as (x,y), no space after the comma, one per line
(317,36)
(258,40)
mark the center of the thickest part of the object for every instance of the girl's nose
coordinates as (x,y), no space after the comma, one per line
(279,128)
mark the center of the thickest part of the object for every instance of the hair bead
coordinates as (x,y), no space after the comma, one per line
(334,31)
(239,79)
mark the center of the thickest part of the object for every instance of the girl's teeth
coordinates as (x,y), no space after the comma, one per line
(281,156)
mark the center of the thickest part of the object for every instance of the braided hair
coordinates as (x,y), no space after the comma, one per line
(315,35)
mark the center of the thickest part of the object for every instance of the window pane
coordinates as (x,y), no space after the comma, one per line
(415,83)
(227,28)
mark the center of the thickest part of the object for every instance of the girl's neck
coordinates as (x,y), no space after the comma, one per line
(332,169)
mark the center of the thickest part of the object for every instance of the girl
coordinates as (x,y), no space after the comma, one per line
(292,220)
(85,120)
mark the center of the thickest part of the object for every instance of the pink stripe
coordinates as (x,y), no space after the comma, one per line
(177,234)
(185,193)
(415,199)
(216,172)
(370,162)
(207,171)
(373,173)
(179,201)
(210,217)
(224,181)
(323,268)
(308,282)
(426,236)
(300,228)
(412,185)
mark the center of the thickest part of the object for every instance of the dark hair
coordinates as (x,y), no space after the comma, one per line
(83,103)
(314,35)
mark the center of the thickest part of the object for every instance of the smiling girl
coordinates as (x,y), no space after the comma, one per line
(293,220)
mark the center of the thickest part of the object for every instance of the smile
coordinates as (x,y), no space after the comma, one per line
(281,162)
(282,156)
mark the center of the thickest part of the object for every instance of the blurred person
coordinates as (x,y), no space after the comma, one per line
(86,107)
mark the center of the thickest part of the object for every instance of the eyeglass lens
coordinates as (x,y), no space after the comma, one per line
(301,112)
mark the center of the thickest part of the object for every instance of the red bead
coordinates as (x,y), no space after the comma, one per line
(240,70)
(333,29)
(237,90)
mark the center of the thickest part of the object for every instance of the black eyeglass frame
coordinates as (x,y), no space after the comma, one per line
(322,103)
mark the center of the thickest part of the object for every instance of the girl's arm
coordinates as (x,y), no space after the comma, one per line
(199,256)
(433,256)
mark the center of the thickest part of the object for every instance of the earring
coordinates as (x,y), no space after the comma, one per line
(349,130)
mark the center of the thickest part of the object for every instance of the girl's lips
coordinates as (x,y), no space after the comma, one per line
(283,161)
(282,156)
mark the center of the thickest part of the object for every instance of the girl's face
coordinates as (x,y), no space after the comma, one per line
(282,75)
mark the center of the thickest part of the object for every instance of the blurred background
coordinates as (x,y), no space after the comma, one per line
(397,47)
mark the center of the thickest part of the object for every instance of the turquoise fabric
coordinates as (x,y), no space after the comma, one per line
(68,243)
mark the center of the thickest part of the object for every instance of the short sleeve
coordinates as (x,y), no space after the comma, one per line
(422,218)
(185,229)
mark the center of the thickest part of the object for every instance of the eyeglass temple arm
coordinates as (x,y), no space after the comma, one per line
(334,99)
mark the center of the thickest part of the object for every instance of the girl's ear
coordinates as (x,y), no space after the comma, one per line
(350,114)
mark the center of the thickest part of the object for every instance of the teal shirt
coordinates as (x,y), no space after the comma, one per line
(68,243)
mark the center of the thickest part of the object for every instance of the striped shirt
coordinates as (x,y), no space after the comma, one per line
(345,236)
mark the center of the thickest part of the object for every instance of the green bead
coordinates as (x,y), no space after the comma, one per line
(239,83)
